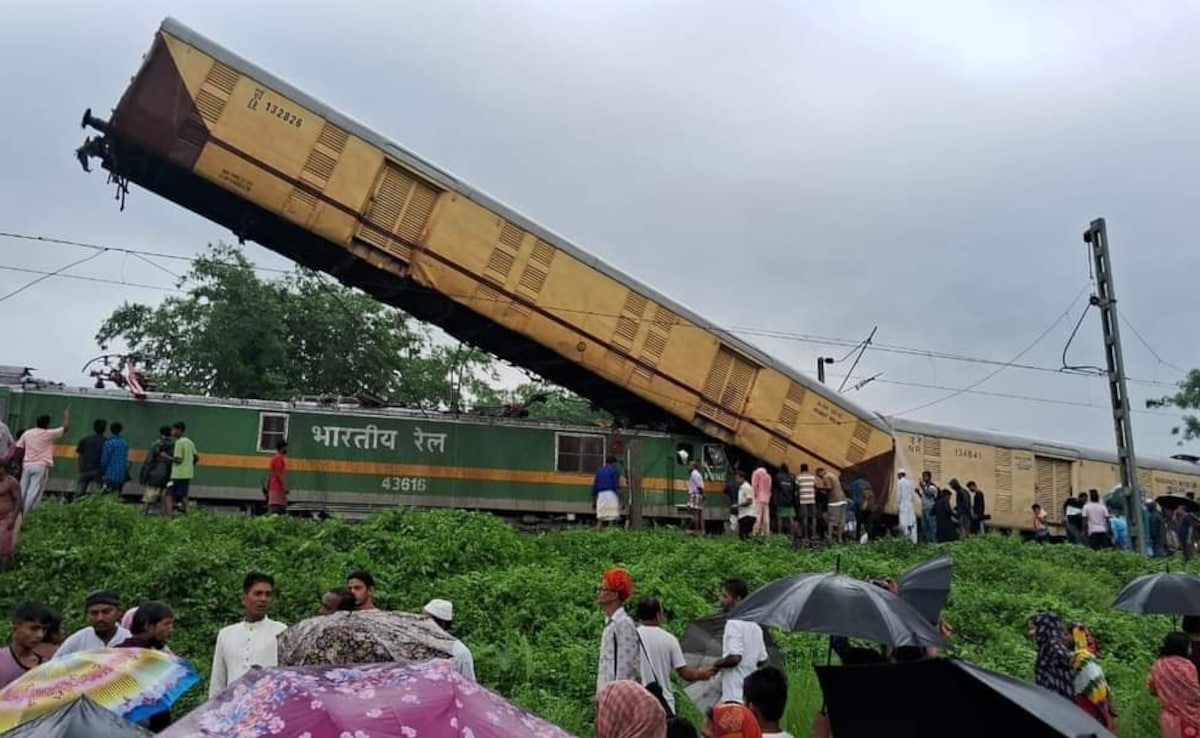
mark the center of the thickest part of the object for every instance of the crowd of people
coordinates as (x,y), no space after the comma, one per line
(634,697)
(36,634)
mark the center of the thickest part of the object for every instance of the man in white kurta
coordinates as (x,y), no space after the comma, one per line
(103,609)
(904,499)
(461,660)
(248,643)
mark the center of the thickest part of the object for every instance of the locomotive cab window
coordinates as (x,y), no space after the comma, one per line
(272,428)
(578,453)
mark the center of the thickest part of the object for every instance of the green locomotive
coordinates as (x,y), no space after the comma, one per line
(348,459)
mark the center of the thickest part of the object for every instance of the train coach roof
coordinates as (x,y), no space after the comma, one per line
(450,182)
(1047,448)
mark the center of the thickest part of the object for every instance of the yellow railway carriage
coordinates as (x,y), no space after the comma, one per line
(1016,472)
(210,131)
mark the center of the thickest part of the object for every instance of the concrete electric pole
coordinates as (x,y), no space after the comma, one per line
(1096,236)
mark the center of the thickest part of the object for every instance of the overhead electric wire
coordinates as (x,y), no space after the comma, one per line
(746,331)
(999,369)
(48,275)
(1150,348)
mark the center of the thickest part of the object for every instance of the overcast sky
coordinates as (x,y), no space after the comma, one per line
(810,168)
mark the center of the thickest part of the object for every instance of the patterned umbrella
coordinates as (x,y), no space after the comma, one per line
(376,700)
(134,683)
(366,637)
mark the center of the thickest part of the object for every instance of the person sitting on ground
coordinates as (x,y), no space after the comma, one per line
(1173,681)
(338,599)
(441,612)
(624,709)
(28,630)
(728,720)
(765,693)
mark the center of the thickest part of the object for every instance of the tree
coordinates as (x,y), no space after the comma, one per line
(1187,398)
(233,334)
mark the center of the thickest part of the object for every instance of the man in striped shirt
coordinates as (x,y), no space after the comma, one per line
(806,503)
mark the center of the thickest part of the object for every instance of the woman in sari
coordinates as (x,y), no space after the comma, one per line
(1052,670)
(730,720)
(625,709)
(1092,692)
(1173,681)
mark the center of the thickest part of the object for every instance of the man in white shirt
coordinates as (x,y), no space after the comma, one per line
(442,613)
(695,488)
(103,609)
(765,692)
(743,648)
(661,652)
(905,502)
(250,642)
(745,506)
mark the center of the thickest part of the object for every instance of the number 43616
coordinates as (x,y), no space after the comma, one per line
(405,484)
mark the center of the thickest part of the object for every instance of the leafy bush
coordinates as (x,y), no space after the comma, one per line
(525,603)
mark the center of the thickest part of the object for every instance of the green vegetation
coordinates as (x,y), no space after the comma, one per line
(525,602)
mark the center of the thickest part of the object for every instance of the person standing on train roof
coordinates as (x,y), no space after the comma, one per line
(978,508)
(904,500)
(362,585)
(695,488)
(806,497)
(277,486)
(38,443)
(760,482)
(783,494)
(606,489)
(156,471)
(183,469)
(114,460)
(89,451)
(929,495)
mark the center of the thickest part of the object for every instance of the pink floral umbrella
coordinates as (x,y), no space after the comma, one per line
(366,701)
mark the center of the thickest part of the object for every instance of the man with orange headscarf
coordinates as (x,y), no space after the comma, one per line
(620,657)
(730,721)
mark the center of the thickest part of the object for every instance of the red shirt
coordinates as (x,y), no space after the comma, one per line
(277,482)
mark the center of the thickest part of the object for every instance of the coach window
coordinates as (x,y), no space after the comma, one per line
(272,428)
(578,453)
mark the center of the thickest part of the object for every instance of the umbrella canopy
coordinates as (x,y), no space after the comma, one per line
(1161,594)
(1170,502)
(79,719)
(366,637)
(134,683)
(703,644)
(376,700)
(927,585)
(838,605)
(869,701)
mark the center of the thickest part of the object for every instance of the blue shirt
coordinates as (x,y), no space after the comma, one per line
(1120,532)
(608,479)
(114,460)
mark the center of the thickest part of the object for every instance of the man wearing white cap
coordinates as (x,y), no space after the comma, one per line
(442,613)
(904,499)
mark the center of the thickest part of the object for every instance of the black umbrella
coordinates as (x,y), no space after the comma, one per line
(702,644)
(893,699)
(81,718)
(838,605)
(1161,594)
(1170,502)
(927,585)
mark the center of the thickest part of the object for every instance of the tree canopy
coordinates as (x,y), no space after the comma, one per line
(1187,398)
(234,334)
